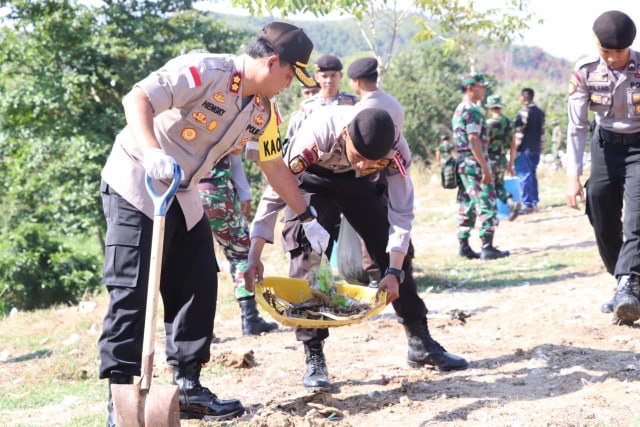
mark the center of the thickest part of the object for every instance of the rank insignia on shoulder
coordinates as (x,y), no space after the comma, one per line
(234,84)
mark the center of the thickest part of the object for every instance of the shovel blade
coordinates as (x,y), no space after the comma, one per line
(162,407)
(128,405)
(157,407)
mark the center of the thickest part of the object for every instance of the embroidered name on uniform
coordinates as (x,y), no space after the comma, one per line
(234,84)
(193,77)
(189,134)
(218,97)
(252,129)
(215,109)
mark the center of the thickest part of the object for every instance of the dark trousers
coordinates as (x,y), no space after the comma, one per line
(188,286)
(614,183)
(360,201)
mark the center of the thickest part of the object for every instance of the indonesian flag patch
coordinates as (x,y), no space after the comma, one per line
(193,77)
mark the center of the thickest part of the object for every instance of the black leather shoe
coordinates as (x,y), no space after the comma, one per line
(197,402)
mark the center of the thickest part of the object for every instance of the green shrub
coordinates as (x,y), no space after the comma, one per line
(37,270)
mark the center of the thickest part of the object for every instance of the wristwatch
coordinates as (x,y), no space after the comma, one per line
(310,212)
(396,272)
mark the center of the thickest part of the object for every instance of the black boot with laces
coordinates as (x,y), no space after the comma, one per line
(626,306)
(317,377)
(424,350)
(197,402)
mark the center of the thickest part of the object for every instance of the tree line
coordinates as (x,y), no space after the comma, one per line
(65,68)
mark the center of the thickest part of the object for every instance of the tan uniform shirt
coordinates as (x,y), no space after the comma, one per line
(614,97)
(319,142)
(200,117)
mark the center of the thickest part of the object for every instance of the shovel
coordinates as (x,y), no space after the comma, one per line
(139,405)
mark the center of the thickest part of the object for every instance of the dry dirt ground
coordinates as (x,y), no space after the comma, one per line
(540,353)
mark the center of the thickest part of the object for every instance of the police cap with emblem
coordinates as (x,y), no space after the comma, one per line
(363,68)
(292,45)
(372,132)
(614,30)
(329,63)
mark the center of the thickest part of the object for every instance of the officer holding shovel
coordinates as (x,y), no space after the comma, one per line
(193,111)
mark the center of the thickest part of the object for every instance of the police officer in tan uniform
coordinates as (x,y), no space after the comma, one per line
(328,75)
(609,85)
(333,154)
(193,111)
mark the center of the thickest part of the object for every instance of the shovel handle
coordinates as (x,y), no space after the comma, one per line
(160,203)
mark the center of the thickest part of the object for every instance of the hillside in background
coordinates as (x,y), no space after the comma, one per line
(343,38)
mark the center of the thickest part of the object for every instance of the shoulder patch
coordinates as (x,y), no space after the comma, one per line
(586,61)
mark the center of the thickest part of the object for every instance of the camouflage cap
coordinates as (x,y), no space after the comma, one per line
(477,78)
(494,101)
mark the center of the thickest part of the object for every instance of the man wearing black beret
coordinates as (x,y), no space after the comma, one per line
(328,75)
(333,155)
(609,86)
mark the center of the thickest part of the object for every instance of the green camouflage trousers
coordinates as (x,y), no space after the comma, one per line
(498,165)
(475,200)
(229,227)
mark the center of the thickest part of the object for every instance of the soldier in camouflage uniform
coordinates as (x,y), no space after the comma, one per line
(476,194)
(226,199)
(500,139)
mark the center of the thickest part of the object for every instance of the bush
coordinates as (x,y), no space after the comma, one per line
(37,270)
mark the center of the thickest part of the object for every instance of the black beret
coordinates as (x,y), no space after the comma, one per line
(329,63)
(614,30)
(363,67)
(372,132)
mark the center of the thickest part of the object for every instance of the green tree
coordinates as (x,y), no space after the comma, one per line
(427,84)
(64,67)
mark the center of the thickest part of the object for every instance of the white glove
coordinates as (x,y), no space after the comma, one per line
(316,235)
(157,164)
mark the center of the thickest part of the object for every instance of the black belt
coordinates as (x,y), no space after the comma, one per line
(610,137)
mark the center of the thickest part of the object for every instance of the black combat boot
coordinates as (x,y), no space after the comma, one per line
(197,402)
(115,379)
(514,208)
(607,307)
(317,376)
(489,252)
(626,305)
(424,350)
(252,323)
(466,251)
